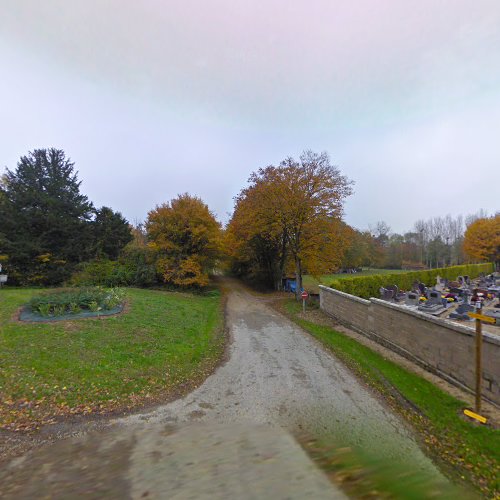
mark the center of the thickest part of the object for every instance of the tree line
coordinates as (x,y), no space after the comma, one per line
(432,243)
(287,221)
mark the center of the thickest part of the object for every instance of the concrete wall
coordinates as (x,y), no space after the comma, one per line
(441,346)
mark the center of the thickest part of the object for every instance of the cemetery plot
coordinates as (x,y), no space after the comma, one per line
(451,299)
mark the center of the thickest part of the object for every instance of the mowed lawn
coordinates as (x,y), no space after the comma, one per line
(163,342)
(311,283)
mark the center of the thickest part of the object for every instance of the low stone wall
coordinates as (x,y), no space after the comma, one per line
(440,346)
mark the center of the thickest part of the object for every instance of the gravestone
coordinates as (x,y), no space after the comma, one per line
(396,295)
(433,305)
(439,286)
(412,299)
(423,289)
(465,308)
(434,298)
(386,293)
(466,296)
(461,312)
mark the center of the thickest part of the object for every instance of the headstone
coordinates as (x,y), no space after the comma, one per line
(412,299)
(433,305)
(439,286)
(397,295)
(434,309)
(422,288)
(464,308)
(461,280)
(434,298)
(461,311)
(386,294)
(466,295)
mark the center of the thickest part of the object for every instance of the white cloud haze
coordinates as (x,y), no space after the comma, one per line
(154,98)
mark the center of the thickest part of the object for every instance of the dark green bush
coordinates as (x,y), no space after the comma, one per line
(136,267)
(140,263)
(103,272)
(368,286)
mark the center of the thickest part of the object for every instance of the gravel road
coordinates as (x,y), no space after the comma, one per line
(279,375)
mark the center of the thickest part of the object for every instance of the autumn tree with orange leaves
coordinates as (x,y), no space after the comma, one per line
(291,215)
(187,238)
(482,240)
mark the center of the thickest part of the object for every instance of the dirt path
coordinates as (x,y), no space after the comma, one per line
(277,376)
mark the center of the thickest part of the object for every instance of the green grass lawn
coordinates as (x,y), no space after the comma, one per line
(164,341)
(473,451)
(311,283)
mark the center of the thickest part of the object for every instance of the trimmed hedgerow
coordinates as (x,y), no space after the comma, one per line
(74,301)
(368,286)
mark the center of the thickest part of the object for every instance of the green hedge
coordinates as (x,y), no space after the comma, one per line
(368,286)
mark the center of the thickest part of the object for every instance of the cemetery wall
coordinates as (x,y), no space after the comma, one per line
(440,346)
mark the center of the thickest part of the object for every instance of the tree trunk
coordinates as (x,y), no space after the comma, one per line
(283,257)
(298,278)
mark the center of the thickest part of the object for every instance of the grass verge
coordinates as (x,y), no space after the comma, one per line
(162,345)
(471,451)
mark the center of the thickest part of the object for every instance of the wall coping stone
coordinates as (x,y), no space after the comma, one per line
(345,295)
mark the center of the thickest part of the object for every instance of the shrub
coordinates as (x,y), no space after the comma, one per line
(136,267)
(74,308)
(368,286)
(108,273)
(94,306)
(43,309)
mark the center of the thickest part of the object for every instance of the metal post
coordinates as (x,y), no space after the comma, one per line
(304,306)
(479,343)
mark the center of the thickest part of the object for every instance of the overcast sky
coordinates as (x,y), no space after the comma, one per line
(153,98)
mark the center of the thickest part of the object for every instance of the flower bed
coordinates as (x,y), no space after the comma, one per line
(73,303)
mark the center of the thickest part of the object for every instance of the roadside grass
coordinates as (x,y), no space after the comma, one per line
(161,345)
(364,475)
(470,452)
(311,283)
